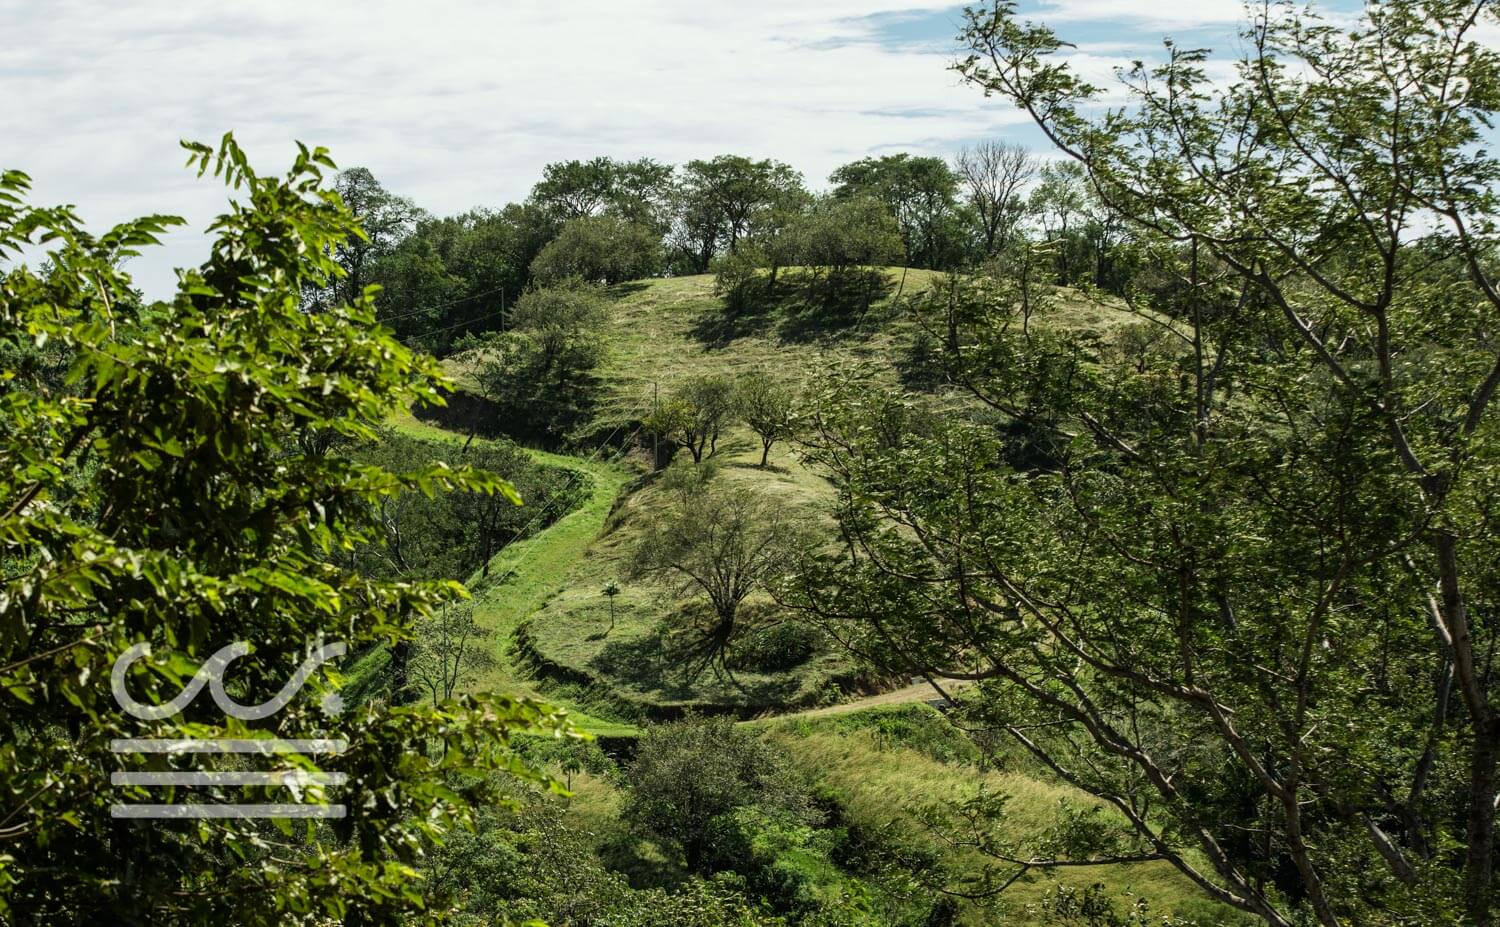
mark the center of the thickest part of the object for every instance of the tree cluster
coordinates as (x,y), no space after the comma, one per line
(696,413)
(1230,566)
(606,221)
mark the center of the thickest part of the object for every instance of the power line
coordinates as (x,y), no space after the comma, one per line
(447,305)
(577,475)
(449,328)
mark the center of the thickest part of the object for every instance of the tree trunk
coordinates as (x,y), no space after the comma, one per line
(400,679)
(1479,860)
(1479,854)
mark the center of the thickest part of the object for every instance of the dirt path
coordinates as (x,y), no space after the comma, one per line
(916,692)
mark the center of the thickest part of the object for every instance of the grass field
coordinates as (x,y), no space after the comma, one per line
(620,656)
(528,572)
(876,763)
(881,764)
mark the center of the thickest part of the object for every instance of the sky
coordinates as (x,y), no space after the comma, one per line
(459,103)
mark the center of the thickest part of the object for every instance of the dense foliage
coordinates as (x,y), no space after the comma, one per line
(157,486)
(1177,482)
(1231,568)
(539,371)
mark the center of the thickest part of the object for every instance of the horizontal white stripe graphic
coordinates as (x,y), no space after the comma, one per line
(228,745)
(193,777)
(226,811)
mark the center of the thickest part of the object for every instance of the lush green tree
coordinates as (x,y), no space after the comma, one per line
(694,414)
(637,191)
(841,244)
(743,281)
(696,235)
(1078,231)
(573,189)
(162,497)
(768,408)
(565,320)
(460,274)
(785,861)
(644,194)
(1246,599)
(687,775)
(748,278)
(600,249)
(723,542)
(723,200)
(921,193)
(540,372)
(845,242)
(384,220)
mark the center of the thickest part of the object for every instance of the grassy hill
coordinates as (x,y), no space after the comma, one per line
(663,331)
(619,658)
(555,636)
(659,333)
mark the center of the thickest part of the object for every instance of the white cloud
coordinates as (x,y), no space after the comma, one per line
(1158,14)
(461,103)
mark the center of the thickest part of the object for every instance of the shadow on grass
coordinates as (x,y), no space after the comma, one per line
(718,328)
(755,465)
(622,290)
(670,666)
(803,305)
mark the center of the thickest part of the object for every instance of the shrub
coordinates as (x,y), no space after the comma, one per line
(599,249)
(689,773)
(785,862)
(775,649)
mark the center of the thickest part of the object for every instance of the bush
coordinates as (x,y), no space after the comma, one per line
(531,865)
(741,281)
(775,649)
(540,373)
(785,863)
(600,249)
(689,773)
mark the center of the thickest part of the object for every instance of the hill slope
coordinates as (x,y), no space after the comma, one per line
(876,761)
(661,332)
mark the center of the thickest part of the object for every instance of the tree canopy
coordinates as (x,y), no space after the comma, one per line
(160,495)
(1233,570)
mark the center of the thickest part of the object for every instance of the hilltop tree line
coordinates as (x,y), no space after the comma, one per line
(606,221)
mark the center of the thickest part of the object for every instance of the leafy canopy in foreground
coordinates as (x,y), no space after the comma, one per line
(1234,571)
(159,493)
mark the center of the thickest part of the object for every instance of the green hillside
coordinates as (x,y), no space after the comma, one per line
(664,330)
(659,333)
(615,665)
